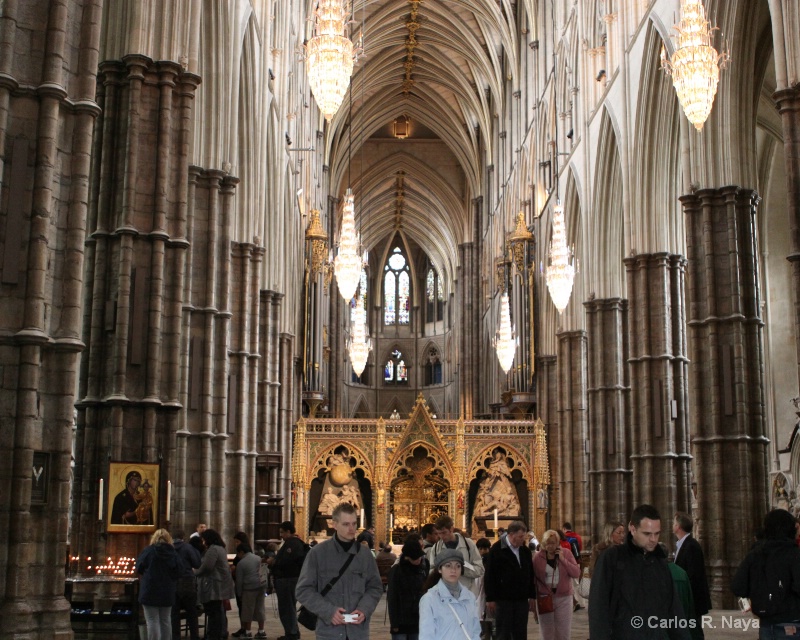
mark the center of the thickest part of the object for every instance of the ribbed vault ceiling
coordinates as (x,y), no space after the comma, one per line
(456,73)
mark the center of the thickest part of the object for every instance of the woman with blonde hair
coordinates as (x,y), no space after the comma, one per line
(159,567)
(613,533)
(553,570)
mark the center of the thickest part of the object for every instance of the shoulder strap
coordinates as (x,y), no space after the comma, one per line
(460,624)
(333,581)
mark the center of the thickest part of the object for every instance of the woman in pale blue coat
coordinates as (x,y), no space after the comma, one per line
(448,611)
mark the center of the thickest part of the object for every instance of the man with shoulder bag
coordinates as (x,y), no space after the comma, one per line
(449,539)
(339,582)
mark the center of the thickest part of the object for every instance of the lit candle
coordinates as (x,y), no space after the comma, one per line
(100,501)
(464,521)
(495,519)
(169,499)
(362,518)
(391,521)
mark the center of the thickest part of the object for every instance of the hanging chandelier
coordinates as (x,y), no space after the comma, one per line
(695,65)
(348,262)
(561,271)
(505,342)
(329,57)
(360,343)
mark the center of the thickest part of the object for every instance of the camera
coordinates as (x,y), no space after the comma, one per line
(350,618)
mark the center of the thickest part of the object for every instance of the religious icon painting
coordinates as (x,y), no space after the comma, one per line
(132,503)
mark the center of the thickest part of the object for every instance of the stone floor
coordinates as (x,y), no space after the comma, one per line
(720,624)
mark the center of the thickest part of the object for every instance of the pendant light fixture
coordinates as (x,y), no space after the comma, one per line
(560,273)
(329,57)
(695,65)
(505,341)
(360,344)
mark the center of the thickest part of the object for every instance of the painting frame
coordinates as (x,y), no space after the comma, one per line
(131,506)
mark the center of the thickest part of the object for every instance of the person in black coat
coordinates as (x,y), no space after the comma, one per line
(689,557)
(770,576)
(632,585)
(404,590)
(186,594)
(509,584)
(285,567)
(160,568)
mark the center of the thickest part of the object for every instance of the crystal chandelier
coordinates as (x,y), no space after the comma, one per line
(695,65)
(348,262)
(561,271)
(505,342)
(329,57)
(360,343)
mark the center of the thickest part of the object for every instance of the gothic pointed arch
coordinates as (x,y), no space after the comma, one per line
(431,364)
(330,456)
(516,458)
(606,250)
(421,431)
(362,408)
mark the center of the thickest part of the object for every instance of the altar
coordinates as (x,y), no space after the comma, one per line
(402,474)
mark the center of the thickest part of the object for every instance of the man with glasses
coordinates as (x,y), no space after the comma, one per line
(633,595)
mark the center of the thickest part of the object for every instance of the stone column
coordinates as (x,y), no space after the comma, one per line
(547,407)
(285,417)
(789,106)
(727,376)
(609,426)
(659,412)
(467,358)
(47,118)
(572,431)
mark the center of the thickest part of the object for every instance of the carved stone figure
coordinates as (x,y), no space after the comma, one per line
(329,502)
(496,490)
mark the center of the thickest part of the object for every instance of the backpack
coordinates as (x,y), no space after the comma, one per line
(769,584)
(573,545)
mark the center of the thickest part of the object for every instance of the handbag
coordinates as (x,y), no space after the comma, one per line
(308,618)
(584,584)
(544,603)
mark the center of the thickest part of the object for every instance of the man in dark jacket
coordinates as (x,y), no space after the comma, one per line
(509,583)
(404,589)
(285,568)
(689,557)
(186,596)
(633,596)
(770,576)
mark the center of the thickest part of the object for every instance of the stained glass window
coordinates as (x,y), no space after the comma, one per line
(404,298)
(396,289)
(434,296)
(395,370)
